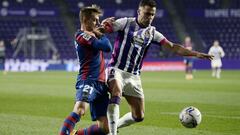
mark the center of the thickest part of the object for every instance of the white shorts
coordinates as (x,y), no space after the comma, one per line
(216,63)
(130,84)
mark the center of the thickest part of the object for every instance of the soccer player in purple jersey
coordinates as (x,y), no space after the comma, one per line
(134,38)
(91,90)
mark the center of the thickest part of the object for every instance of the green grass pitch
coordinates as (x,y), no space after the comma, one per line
(37,103)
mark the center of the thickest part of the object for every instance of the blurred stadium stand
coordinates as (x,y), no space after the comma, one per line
(214,19)
(203,20)
(18,15)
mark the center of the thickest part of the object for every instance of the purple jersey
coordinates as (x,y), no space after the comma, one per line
(132,43)
(90,55)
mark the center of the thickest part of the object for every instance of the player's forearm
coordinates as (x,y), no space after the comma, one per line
(183,51)
(103,44)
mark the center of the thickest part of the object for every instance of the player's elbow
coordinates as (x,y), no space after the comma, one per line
(109,48)
(106,48)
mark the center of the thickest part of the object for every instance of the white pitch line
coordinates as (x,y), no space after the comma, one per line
(208,115)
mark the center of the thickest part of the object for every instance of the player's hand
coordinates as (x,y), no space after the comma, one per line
(204,56)
(98,32)
(108,20)
(101,29)
(107,24)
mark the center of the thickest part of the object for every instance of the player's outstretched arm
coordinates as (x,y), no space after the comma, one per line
(176,48)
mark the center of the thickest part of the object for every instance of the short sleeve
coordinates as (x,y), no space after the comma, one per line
(158,38)
(119,24)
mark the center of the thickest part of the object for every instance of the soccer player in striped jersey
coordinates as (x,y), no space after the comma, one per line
(91,89)
(134,38)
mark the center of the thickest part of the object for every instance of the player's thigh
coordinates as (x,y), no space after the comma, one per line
(137,106)
(98,106)
(115,81)
(115,87)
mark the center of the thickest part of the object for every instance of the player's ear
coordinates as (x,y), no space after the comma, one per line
(138,11)
(84,19)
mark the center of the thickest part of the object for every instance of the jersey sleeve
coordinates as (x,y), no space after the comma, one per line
(84,39)
(119,24)
(158,38)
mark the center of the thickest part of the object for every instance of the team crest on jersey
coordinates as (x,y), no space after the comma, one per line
(137,40)
(147,33)
(142,37)
(86,36)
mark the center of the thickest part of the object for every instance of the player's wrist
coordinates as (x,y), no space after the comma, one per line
(108,27)
(98,33)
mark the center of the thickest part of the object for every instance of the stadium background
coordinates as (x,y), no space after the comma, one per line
(203,20)
(37,102)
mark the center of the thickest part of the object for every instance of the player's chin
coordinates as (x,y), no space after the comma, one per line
(146,24)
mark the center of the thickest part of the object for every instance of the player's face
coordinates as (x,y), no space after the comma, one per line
(187,39)
(146,15)
(216,43)
(93,22)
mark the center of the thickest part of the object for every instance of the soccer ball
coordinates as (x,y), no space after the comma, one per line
(190,117)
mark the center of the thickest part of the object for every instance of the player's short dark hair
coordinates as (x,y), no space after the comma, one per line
(151,3)
(89,11)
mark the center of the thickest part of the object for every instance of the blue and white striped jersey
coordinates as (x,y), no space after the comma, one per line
(132,43)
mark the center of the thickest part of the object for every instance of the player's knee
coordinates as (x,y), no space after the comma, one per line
(105,130)
(79,108)
(79,111)
(139,118)
(116,93)
(114,88)
(103,125)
